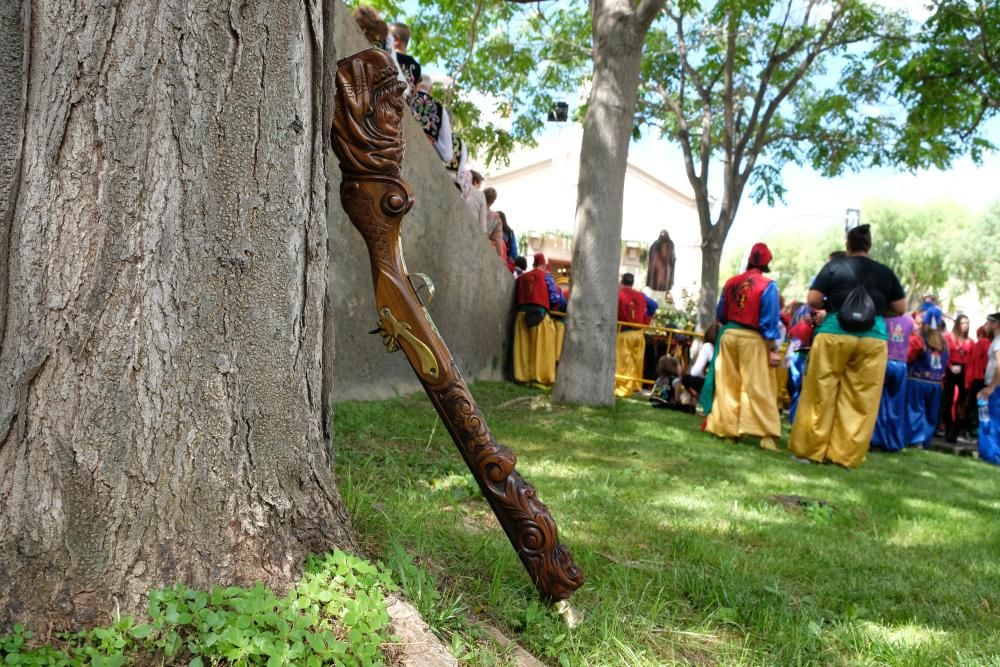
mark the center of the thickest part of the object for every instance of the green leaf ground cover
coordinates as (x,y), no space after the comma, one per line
(691,553)
(335,614)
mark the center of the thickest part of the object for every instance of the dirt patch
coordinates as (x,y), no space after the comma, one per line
(798,504)
(475,518)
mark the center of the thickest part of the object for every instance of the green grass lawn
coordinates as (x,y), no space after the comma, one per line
(688,557)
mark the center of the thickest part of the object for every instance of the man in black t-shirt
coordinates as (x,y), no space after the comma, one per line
(843,382)
(835,281)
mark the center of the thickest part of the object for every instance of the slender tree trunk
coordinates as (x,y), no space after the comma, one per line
(587,367)
(712,241)
(163,275)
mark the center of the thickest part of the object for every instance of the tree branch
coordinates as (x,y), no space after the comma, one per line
(775,60)
(727,89)
(820,45)
(984,41)
(647,11)
(705,153)
(473,30)
(984,106)
(682,51)
(683,134)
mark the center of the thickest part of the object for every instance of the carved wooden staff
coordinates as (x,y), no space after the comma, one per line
(368,140)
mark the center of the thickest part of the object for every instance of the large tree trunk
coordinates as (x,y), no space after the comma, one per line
(587,367)
(160,367)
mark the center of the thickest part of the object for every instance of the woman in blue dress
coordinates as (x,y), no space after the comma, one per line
(928,360)
(891,427)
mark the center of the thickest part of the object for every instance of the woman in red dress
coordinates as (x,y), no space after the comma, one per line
(954,399)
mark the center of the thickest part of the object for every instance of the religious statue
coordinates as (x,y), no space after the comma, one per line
(660,275)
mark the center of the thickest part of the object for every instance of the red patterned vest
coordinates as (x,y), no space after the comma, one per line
(532,290)
(741,298)
(631,306)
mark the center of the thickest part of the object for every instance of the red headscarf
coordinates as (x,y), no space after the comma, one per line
(760,256)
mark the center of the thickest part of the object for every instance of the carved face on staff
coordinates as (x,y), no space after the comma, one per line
(369,115)
(387,103)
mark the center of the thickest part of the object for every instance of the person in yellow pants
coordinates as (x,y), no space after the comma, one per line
(840,398)
(843,383)
(537,338)
(740,395)
(746,389)
(534,350)
(630,352)
(630,345)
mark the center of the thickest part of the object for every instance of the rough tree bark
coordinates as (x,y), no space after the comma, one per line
(587,367)
(163,270)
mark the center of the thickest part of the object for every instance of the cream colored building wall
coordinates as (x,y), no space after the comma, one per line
(537,192)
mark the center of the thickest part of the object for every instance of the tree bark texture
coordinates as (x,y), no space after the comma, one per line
(587,366)
(164,270)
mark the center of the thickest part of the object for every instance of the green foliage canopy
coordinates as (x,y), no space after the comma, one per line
(950,84)
(761,83)
(837,84)
(925,245)
(980,266)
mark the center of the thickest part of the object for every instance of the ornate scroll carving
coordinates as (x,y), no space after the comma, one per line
(523,516)
(367,139)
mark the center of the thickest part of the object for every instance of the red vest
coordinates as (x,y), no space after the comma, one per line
(631,306)
(531,289)
(741,298)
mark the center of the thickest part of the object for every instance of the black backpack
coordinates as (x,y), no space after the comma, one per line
(858,310)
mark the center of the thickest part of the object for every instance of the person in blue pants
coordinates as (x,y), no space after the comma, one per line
(891,428)
(928,359)
(800,337)
(989,430)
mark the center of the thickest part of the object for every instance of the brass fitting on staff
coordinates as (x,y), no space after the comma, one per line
(569,615)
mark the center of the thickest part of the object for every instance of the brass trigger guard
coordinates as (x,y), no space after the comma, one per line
(427,284)
(393,330)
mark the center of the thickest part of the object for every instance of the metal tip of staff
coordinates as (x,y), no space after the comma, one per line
(569,615)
